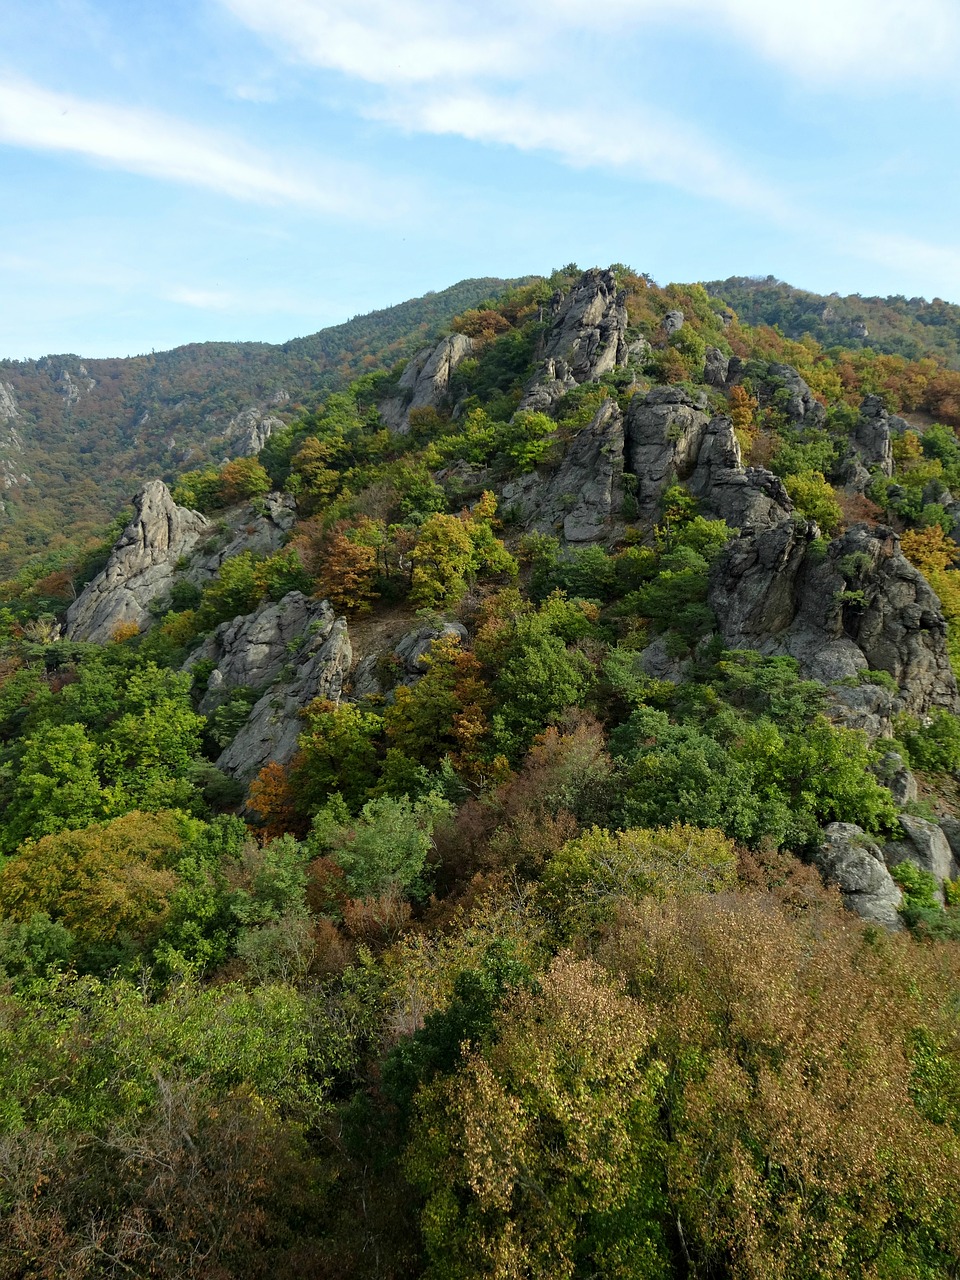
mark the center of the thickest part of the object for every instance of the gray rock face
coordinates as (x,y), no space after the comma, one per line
(849,859)
(746,498)
(801,407)
(553,380)
(670,437)
(253,650)
(141,567)
(249,431)
(893,771)
(583,498)
(8,403)
(870,446)
(927,847)
(716,367)
(426,380)
(260,527)
(590,326)
(951,829)
(673,322)
(664,431)
(317,669)
(862,606)
(412,649)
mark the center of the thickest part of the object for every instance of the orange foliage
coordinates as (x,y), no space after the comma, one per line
(857,508)
(483,326)
(347,569)
(272,798)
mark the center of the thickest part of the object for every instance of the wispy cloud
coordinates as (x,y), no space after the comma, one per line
(398,42)
(640,143)
(159,146)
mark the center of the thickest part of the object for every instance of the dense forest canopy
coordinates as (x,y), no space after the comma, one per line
(424,870)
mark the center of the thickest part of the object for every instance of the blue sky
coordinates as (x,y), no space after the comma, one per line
(182,170)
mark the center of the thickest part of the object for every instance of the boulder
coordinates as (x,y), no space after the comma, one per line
(249,431)
(252,651)
(848,858)
(870,448)
(412,649)
(317,669)
(664,431)
(800,404)
(893,772)
(260,527)
(141,567)
(552,382)
(673,322)
(925,845)
(716,367)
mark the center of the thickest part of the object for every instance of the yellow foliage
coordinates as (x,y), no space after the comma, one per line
(107,881)
(124,631)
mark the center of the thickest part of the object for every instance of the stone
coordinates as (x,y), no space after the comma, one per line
(412,649)
(745,497)
(951,829)
(664,430)
(425,382)
(672,322)
(552,382)
(589,329)
(716,367)
(927,847)
(317,669)
(893,772)
(848,858)
(141,567)
(251,651)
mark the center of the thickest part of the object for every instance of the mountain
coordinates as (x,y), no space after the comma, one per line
(909,327)
(508,827)
(77,436)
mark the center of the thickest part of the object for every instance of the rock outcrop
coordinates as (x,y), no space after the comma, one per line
(583,498)
(552,382)
(870,447)
(141,567)
(253,650)
(589,329)
(260,527)
(860,606)
(316,668)
(848,858)
(249,431)
(671,437)
(799,403)
(425,381)
(926,845)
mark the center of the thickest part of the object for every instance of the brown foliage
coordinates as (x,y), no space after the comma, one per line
(857,508)
(346,573)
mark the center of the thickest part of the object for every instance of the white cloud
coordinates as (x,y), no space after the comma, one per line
(393,41)
(158,146)
(640,143)
(396,42)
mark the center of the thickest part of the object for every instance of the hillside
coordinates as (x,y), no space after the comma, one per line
(77,436)
(508,827)
(909,327)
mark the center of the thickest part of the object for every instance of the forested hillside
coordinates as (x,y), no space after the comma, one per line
(507,827)
(910,327)
(77,436)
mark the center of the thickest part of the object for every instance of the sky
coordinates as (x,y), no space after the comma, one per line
(177,171)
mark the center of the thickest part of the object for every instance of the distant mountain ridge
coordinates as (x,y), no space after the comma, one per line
(77,436)
(908,327)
